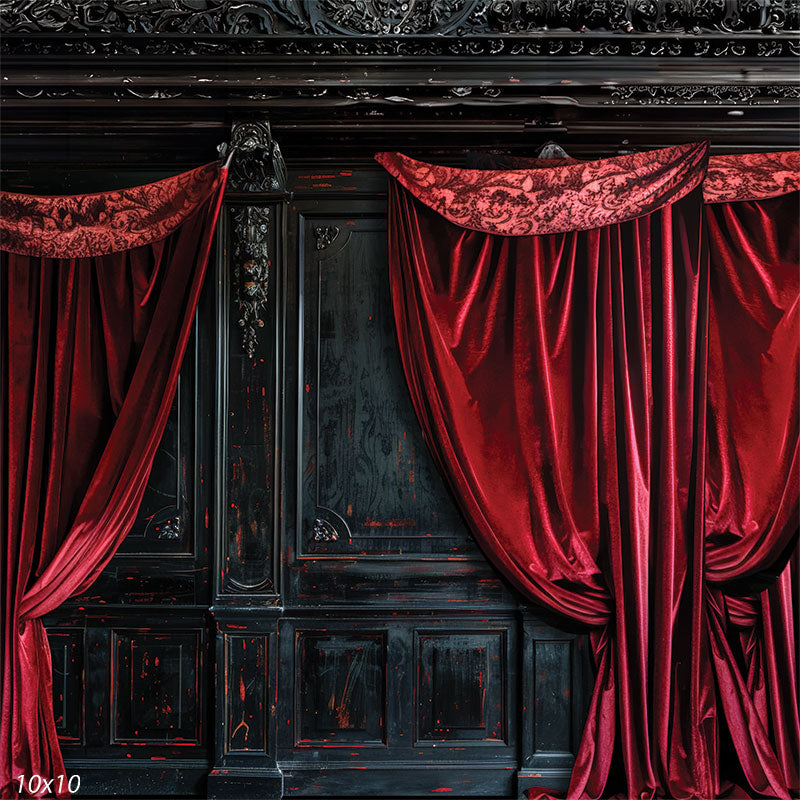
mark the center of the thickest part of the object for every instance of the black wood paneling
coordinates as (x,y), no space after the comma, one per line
(370,487)
(66,653)
(340,689)
(246,701)
(368,521)
(247,400)
(156,695)
(461,678)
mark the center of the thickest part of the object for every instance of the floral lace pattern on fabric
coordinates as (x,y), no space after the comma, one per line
(579,196)
(751,176)
(85,225)
(745,176)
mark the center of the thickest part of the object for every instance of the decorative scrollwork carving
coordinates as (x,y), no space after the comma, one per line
(171,529)
(393,17)
(380,18)
(325,235)
(632,16)
(166,525)
(323,531)
(149,16)
(647,94)
(251,270)
(258,164)
(702,94)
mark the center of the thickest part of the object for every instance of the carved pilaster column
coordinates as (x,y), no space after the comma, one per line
(247,598)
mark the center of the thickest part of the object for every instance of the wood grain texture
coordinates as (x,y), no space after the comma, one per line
(245,696)
(249,427)
(368,473)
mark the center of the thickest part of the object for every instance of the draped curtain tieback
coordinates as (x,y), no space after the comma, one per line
(100,293)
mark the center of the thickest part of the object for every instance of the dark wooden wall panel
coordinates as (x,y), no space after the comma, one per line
(156,695)
(552,714)
(340,689)
(246,677)
(407,695)
(66,653)
(370,486)
(163,526)
(461,680)
(247,397)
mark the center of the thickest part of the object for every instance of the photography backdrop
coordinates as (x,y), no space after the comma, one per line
(240,640)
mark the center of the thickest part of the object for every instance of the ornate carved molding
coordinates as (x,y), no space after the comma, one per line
(361,18)
(257,171)
(702,95)
(150,16)
(546,44)
(251,270)
(171,529)
(165,525)
(325,236)
(257,164)
(323,531)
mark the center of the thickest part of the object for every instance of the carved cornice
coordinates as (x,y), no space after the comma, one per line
(703,95)
(513,47)
(263,172)
(365,18)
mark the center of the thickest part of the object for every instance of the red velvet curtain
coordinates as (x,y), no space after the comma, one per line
(99,294)
(751,489)
(557,328)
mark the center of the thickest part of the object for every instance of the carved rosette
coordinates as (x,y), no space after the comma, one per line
(251,270)
(166,525)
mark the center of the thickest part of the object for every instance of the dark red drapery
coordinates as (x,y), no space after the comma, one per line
(557,331)
(99,295)
(751,487)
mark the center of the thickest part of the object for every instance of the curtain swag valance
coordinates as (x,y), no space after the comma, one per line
(514,196)
(86,225)
(575,197)
(615,407)
(100,297)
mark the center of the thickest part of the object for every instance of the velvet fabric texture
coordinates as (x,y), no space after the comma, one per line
(91,345)
(582,391)
(751,484)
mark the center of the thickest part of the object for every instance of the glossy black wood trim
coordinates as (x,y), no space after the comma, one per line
(228,591)
(102,778)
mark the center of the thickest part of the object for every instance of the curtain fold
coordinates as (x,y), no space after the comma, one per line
(561,378)
(92,344)
(752,487)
